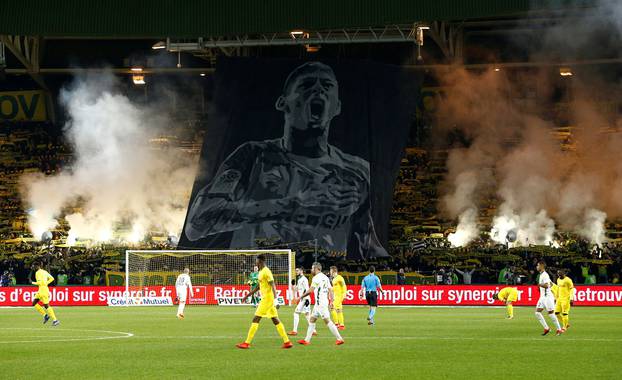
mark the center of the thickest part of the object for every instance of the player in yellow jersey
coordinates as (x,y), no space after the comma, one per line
(43,279)
(507,295)
(555,291)
(266,307)
(339,290)
(564,299)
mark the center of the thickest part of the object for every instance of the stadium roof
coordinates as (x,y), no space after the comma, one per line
(189,19)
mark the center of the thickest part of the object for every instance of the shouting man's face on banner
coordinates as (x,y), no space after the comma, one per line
(310,98)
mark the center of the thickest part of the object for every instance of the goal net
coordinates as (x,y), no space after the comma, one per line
(216,275)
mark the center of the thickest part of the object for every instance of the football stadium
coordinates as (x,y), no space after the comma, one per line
(250,189)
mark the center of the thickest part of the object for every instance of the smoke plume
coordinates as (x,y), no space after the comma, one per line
(118,177)
(541,177)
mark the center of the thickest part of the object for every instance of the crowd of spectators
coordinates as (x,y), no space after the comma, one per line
(26,147)
(70,265)
(418,240)
(418,237)
(438,263)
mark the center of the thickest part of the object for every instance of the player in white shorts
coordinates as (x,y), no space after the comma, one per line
(547,300)
(323,292)
(301,285)
(182,286)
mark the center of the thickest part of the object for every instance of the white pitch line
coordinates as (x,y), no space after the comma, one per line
(540,339)
(64,337)
(122,335)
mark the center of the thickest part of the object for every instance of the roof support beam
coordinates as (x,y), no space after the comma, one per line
(450,39)
(383,34)
(27,51)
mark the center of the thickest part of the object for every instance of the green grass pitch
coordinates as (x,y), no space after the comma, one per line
(426,343)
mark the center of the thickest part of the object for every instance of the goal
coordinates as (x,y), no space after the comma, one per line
(213,272)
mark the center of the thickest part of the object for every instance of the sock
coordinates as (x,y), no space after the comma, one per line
(40,309)
(180,308)
(51,313)
(560,318)
(510,311)
(309,321)
(565,319)
(296,321)
(333,329)
(333,316)
(281,330)
(310,331)
(540,319)
(372,312)
(251,332)
(555,321)
(342,320)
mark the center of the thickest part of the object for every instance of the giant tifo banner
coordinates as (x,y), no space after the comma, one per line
(301,151)
(23,106)
(394,295)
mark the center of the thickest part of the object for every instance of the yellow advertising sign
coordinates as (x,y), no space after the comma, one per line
(23,106)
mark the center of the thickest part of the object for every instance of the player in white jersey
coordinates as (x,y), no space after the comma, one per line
(301,285)
(182,286)
(323,292)
(547,300)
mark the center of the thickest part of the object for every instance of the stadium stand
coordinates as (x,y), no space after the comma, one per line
(418,242)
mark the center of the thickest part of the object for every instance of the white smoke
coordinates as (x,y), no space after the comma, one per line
(593,227)
(117,178)
(467,229)
(501,226)
(528,183)
(530,228)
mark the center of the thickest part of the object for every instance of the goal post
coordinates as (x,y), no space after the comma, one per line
(213,272)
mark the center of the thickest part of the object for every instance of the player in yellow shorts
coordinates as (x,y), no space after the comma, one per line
(508,295)
(339,289)
(266,307)
(564,298)
(43,279)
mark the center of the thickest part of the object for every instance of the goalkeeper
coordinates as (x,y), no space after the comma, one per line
(253,282)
